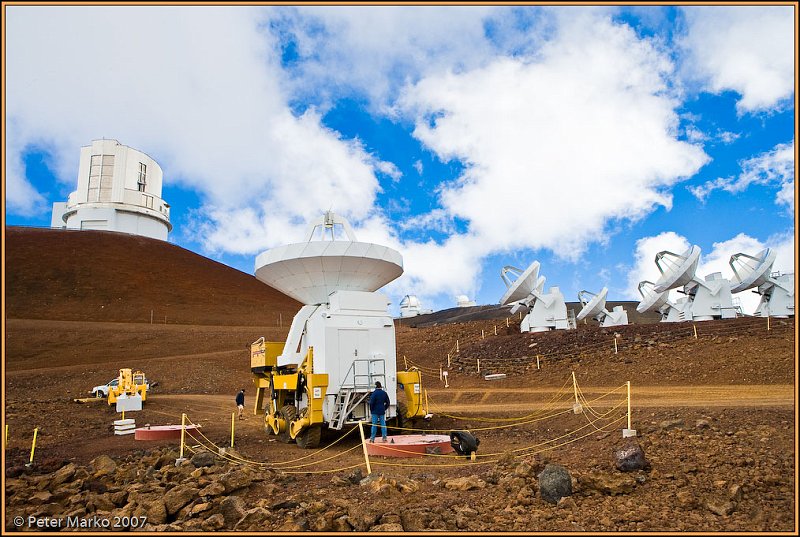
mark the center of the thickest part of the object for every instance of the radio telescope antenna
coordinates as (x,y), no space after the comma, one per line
(522,286)
(751,271)
(651,300)
(676,270)
(310,271)
(776,290)
(595,307)
(546,311)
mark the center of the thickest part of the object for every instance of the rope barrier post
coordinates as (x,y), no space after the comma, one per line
(479,365)
(440,373)
(405,362)
(364,445)
(456,346)
(448,360)
(520,316)
(233,425)
(33,446)
(577,408)
(627,433)
(180,459)
(694,327)
(506,322)
(767,323)
(446,385)
(482,336)
(495,329)
(615,344)
(426,403)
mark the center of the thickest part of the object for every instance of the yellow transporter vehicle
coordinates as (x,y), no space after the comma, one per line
(301,402)
(130,391)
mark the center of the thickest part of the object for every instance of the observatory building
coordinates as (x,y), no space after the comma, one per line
(119,189)
(546,311)
(410,306)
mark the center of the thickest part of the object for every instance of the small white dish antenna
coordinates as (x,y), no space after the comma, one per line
(592,307)
(595,307)
(651,300)
(676,270)
(751,271)
(522,286)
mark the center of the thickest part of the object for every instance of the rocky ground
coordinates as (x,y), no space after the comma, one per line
(713,471)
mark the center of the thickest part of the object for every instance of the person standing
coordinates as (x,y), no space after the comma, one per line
(378,404)
(240,402)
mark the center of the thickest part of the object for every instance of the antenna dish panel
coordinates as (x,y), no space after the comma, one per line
(752,271)
(523,286)
(310,271)
(680,269)
(593,307)
(651,300)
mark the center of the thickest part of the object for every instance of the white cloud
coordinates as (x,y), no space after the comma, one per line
(773,167)
(748,49)
(378,49)
(587,126)
(717,260)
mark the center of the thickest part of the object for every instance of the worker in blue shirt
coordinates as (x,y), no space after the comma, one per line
(378,404)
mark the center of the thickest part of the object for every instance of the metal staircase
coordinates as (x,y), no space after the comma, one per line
(355,388)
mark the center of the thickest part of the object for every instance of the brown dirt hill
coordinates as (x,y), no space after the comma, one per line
(115,277)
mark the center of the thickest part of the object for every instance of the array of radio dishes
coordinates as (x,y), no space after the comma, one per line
(546,311)
(705,299)
(594,306)
(776,289)
(410,306)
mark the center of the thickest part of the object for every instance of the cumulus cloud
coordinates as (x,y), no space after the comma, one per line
(588,125)
(773,168)
(747,49)
(717,260)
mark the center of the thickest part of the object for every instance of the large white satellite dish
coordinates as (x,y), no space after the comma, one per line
(651,300)
(593,307)
(751,271)
(523,285)
(676,270)
(310,271)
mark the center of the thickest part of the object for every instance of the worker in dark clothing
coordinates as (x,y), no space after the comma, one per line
(378,404)
(240,402)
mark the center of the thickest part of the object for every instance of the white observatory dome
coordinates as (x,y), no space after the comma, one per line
(463,301)
(310,271)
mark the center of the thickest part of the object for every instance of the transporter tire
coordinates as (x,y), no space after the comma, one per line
(289,413)
(309,437)
(401,421)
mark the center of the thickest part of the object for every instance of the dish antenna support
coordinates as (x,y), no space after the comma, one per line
(594,306)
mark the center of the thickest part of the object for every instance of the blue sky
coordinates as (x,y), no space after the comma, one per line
(467,138)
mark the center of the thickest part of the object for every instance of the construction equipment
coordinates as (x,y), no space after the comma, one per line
(341,342)
(130,391)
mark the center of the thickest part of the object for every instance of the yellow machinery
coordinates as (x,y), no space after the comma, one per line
(301,400)
(131,383)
